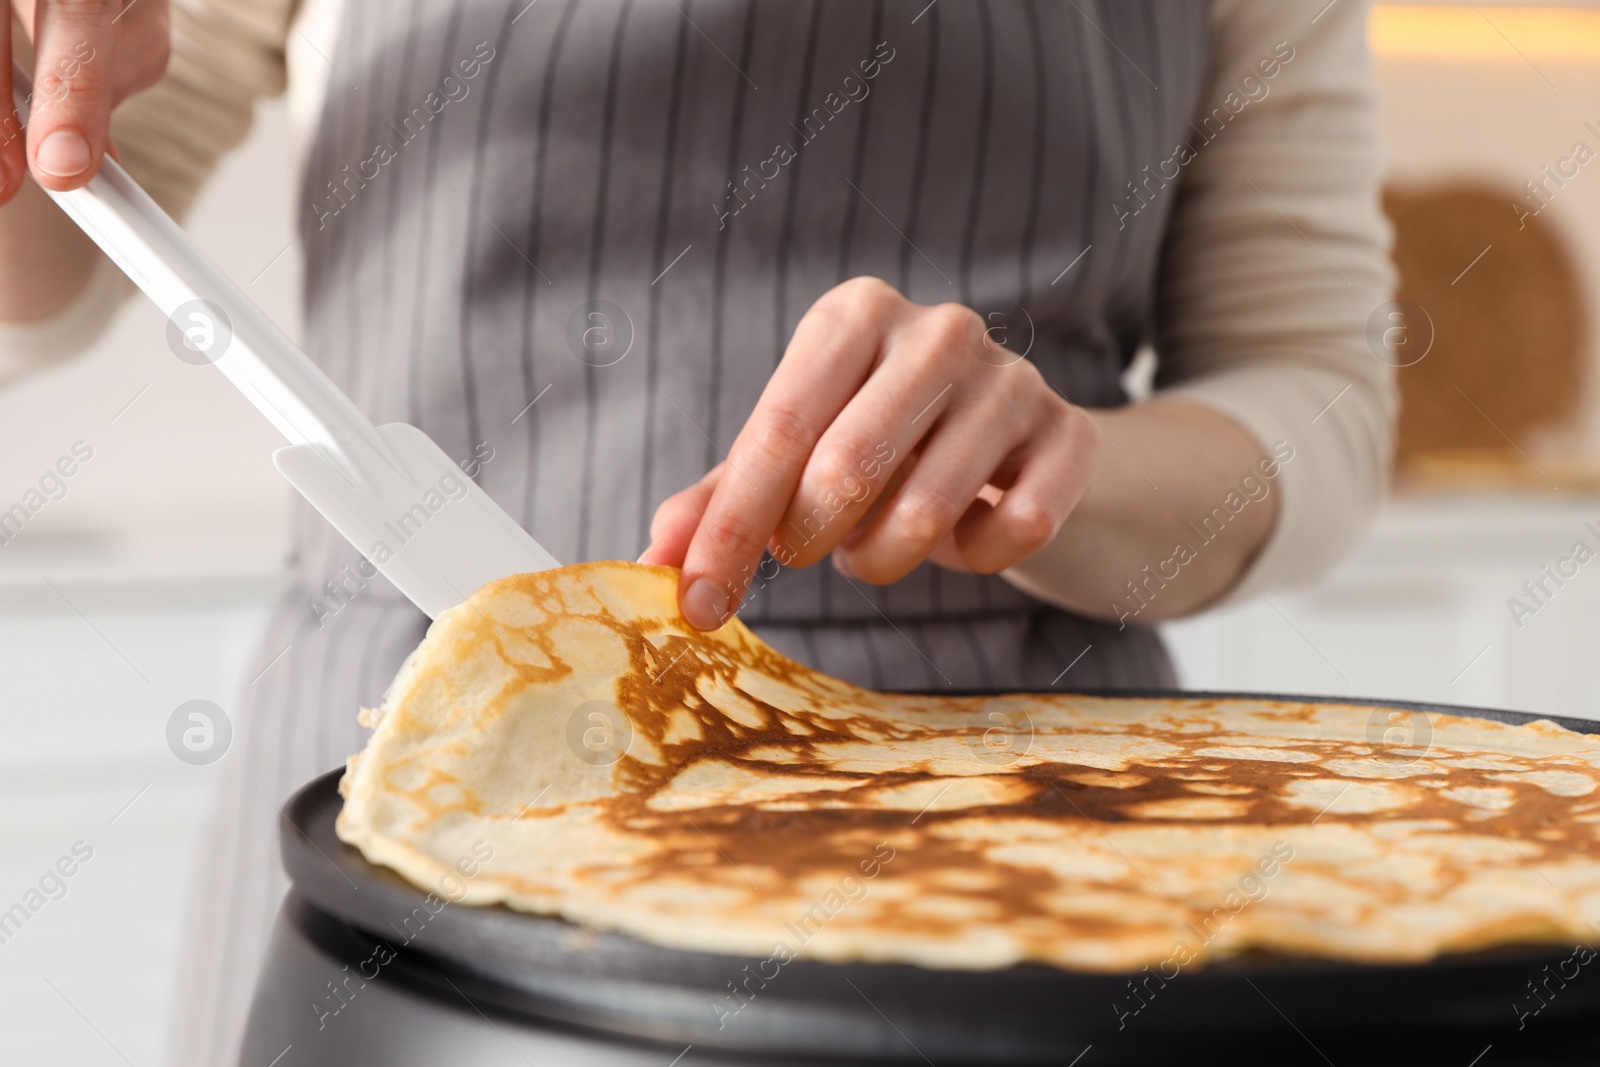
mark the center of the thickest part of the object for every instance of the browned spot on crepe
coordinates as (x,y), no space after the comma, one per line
(756,791)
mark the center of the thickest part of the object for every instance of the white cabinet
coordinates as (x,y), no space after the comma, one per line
(1421,613)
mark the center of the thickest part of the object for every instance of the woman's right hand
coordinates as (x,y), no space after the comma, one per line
(89,56)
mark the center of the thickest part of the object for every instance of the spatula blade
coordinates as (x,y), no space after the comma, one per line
(427,527)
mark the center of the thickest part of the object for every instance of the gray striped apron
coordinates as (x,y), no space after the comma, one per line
(570,240)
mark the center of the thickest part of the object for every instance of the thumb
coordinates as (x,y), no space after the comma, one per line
(71,117)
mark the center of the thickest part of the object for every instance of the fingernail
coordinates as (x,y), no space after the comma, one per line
(646,552)
(63,154)
(843,567)
(705,605)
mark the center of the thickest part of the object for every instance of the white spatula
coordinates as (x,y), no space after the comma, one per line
(390,490)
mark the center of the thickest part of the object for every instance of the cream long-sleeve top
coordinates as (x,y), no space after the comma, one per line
(1276,255)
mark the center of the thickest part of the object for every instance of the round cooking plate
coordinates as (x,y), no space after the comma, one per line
(1291,1010)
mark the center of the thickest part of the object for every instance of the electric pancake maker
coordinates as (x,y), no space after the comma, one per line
(365,969)
(413,980)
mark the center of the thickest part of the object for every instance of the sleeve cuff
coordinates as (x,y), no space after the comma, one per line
(1332,448)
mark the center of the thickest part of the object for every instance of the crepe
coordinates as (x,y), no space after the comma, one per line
(565,744)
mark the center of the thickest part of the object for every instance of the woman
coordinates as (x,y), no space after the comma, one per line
(867,278)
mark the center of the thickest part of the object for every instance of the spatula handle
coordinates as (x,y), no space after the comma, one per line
(250,349)
(393,493)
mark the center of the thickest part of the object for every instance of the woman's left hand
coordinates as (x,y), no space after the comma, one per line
(890,433)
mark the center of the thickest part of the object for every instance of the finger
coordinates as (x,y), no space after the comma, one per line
(947,555)
(72,90)
(959,460)
(922,374)
(13,160)
(675,520)
(832,353)
(1054,474)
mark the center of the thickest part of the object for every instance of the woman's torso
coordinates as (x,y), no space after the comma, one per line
(521,236)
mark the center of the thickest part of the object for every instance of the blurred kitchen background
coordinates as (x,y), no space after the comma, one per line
(147,584)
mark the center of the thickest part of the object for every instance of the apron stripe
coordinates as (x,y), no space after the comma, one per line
(719,308)
(1041,111)
(474,227)
(808,63)
(533,282)
(658,264)
(586,487)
